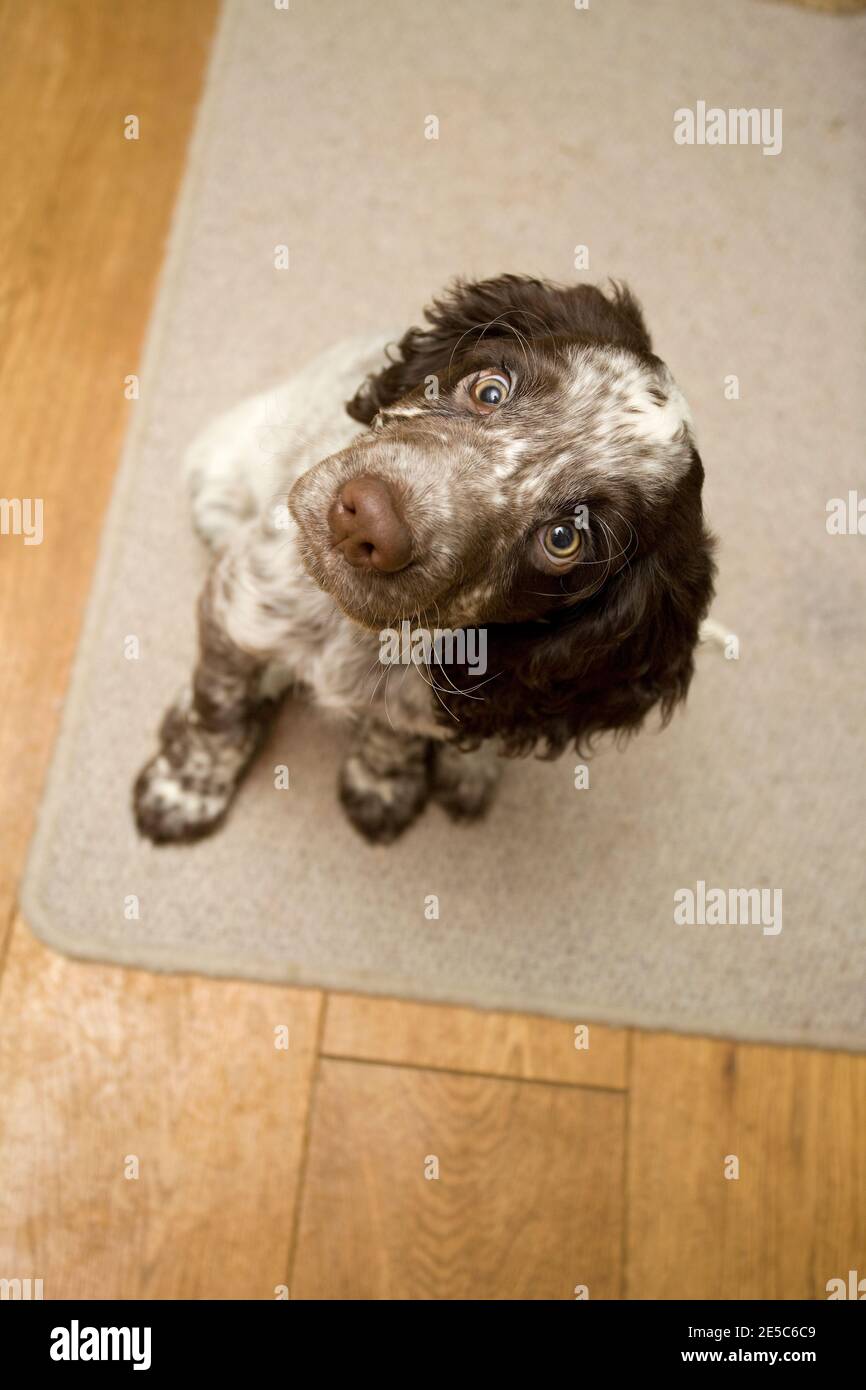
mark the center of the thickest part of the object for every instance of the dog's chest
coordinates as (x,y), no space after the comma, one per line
(338,664)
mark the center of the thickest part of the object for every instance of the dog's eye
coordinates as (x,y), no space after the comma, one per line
(561,541)
(489,391)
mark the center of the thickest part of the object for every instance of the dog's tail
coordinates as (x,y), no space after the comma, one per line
(714,632)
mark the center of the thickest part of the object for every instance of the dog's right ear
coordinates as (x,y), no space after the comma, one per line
(420,353)
(382,389)
(507,304)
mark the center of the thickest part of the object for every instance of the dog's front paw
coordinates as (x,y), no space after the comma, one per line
(172,806)
(185,791)
(382,805)
(464,784)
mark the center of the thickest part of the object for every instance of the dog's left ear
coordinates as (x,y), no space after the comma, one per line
(605,663)
(509,305)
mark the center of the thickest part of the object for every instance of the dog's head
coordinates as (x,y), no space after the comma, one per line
(529,468)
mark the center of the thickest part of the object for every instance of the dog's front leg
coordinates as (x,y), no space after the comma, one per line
(207,737)
(385,779)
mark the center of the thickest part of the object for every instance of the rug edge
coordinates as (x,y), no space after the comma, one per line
(171,961)
(100,587)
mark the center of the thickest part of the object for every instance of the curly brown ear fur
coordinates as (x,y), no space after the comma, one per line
(506,305)
(605,663)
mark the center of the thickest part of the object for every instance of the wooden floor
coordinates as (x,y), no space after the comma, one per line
(154,1140)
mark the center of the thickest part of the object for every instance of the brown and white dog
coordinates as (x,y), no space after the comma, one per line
(522,465)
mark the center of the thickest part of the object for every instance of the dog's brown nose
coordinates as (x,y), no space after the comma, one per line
(368,527)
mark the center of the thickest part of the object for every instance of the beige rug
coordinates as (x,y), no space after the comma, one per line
(555,131)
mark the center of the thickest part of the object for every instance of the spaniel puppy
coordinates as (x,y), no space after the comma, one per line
(522,468)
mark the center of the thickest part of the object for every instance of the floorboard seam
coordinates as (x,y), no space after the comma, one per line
(468,1071)
(318,1057)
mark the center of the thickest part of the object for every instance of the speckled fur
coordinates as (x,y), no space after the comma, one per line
(594,418)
